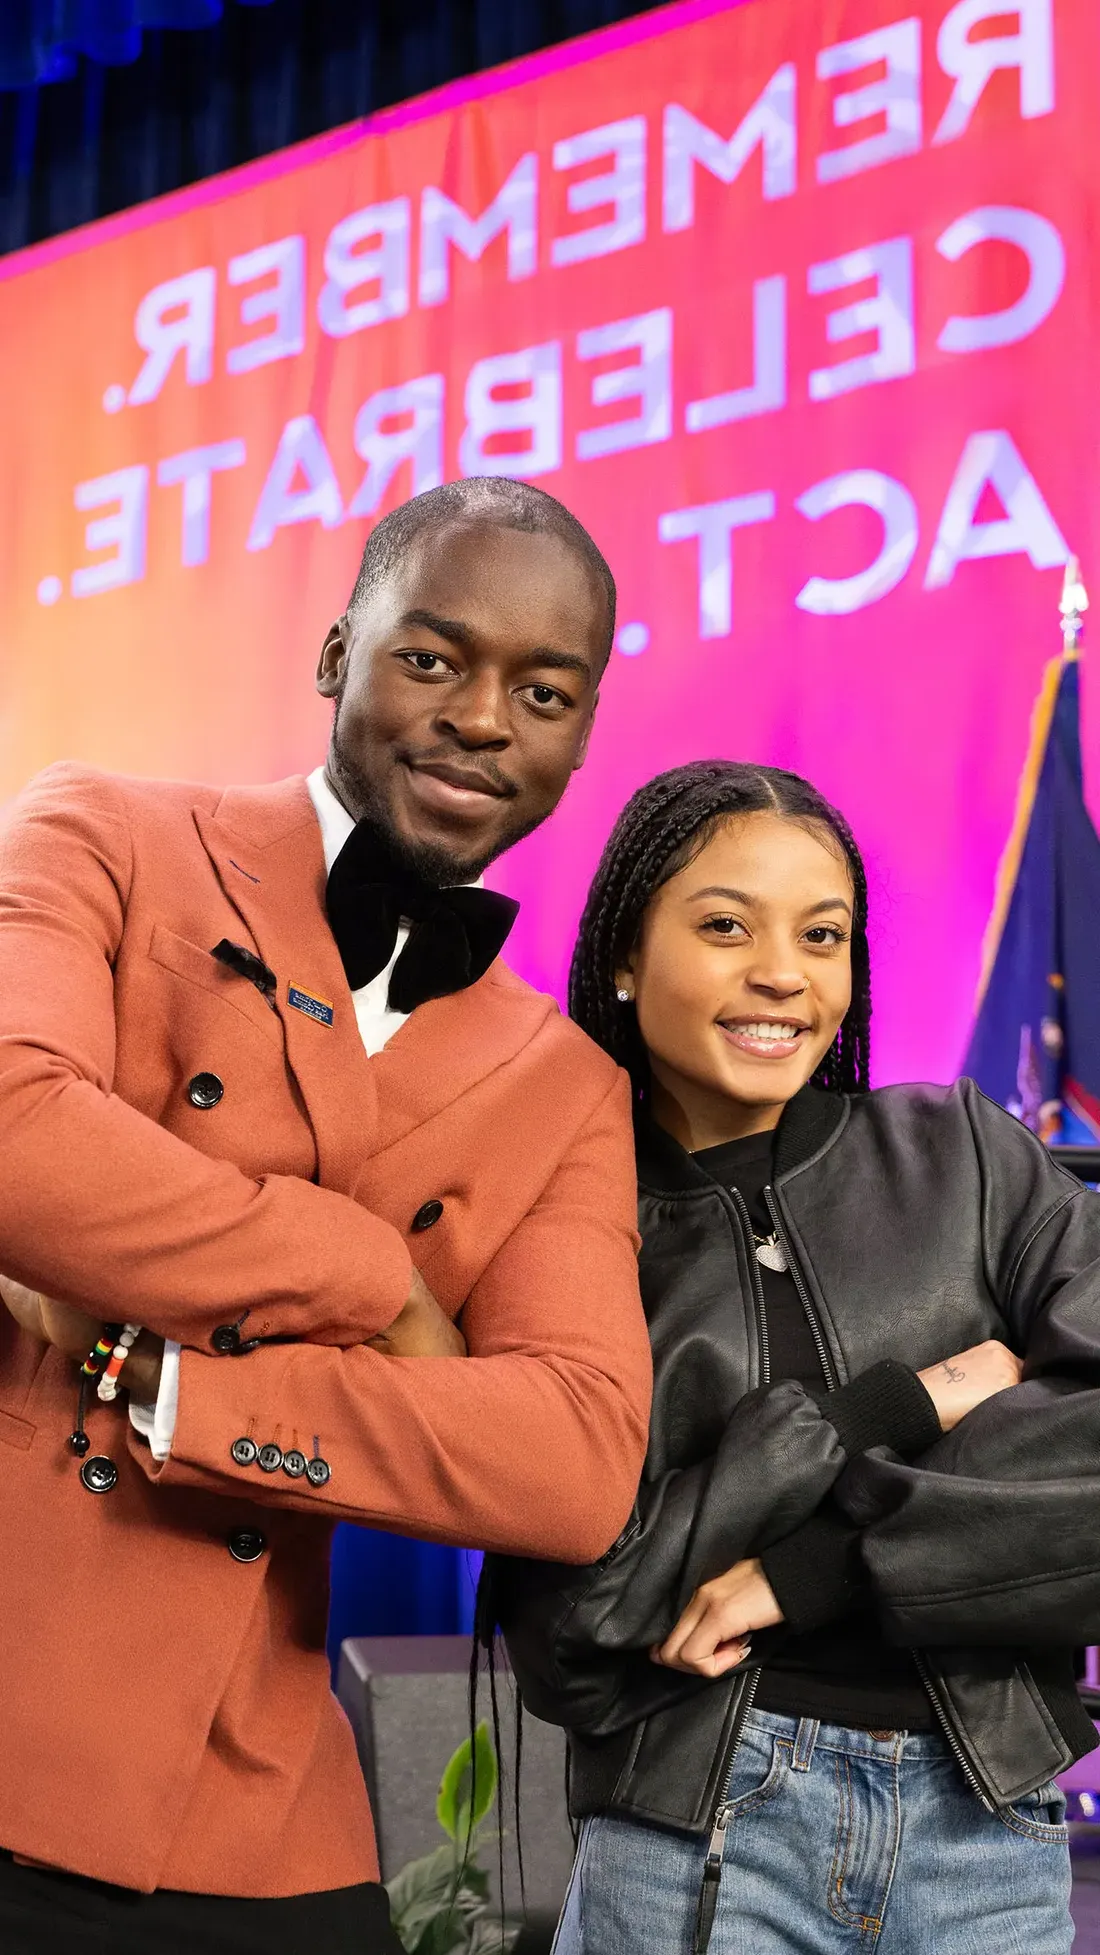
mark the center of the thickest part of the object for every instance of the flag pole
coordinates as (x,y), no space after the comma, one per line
(1072,605)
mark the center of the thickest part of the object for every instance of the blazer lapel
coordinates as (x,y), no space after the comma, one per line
(265,846)
(446,1046)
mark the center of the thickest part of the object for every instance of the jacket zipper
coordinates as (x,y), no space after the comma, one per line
(919,1661)
(948,1729)
(712,1866)
(803,1294)
(620,1542)
(756,1283)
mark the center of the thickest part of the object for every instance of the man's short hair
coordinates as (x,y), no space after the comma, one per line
(480,498)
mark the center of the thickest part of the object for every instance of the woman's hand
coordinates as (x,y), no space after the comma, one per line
(959,1384)
(422,1330)
(60,1324)
(713,1634)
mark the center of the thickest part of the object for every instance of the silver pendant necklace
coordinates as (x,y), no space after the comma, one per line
(770,1252)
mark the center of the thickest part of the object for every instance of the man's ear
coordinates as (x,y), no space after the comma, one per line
(582,750)
(330,665)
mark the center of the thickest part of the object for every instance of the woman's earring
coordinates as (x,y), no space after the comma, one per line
(622,996)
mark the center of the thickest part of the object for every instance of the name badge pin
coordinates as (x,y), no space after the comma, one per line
(318,1009)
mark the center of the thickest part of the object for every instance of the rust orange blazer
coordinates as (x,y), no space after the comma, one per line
(167,1715)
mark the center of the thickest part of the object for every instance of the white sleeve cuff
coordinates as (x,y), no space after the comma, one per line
(157,1423)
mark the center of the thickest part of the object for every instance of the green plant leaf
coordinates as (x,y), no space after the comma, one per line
(470,1774)
(475,1881)
(486,1938)
(440,1903)
(444,1934)
(436,1902)
(420,1889)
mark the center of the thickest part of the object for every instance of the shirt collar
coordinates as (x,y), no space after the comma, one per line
(336,823)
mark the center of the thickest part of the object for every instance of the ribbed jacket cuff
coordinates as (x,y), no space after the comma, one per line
(816,1573)
(885,1406)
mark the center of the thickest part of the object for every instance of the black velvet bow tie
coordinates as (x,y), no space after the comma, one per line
(454,934)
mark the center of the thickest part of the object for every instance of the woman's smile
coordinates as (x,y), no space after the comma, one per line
(763,1038)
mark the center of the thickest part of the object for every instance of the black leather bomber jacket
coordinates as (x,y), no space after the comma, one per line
(918,1221)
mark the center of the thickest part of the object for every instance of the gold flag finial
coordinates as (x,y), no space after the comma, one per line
(1073,604)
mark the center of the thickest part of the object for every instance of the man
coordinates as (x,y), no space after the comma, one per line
(270,1141)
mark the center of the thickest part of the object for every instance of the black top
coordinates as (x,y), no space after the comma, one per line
(844,1672)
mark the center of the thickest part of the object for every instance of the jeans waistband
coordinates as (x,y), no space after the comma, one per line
(808,1735)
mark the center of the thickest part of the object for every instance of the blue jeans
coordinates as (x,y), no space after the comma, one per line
(838,1841)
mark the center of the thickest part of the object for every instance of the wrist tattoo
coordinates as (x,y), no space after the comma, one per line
(954,1372)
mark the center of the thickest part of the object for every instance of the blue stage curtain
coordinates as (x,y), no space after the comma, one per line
(40,40)
(105,103)
(384,1585)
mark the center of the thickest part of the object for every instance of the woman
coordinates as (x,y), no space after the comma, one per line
(818,1691)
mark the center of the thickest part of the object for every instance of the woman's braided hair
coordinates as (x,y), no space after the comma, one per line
(663,827)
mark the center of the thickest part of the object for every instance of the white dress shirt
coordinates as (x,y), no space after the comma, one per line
(377,1025)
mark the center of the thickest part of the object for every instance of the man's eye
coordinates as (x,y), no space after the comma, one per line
(548,698)
(426,662)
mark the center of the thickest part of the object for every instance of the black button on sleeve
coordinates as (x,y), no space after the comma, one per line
(294,1464)
(318,1471)
(226,1339)
(246,1543)
(205,1090)
(99,1473)
(244,1451)
(270,1457)
(427,1216)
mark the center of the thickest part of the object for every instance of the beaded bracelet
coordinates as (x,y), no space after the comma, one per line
(100,1351)
(107,1387)
(91,1368)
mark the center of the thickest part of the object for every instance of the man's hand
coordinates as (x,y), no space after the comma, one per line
(959,1384)
(422,1330)
(713,1634)
(72,1331)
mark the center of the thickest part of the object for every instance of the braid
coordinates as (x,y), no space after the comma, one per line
(846,1067)
(661,829)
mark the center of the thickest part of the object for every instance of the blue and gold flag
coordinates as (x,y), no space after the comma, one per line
(1036,1040)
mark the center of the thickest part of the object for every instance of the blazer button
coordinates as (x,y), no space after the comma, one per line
(246,1543)
(294,1464)
(318,1471)
(205,1090)
(99,1473)
(270,1457)
(244,1451)
(427,1217)
(226,1339)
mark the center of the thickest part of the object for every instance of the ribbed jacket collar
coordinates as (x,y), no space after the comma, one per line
(808,1123)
